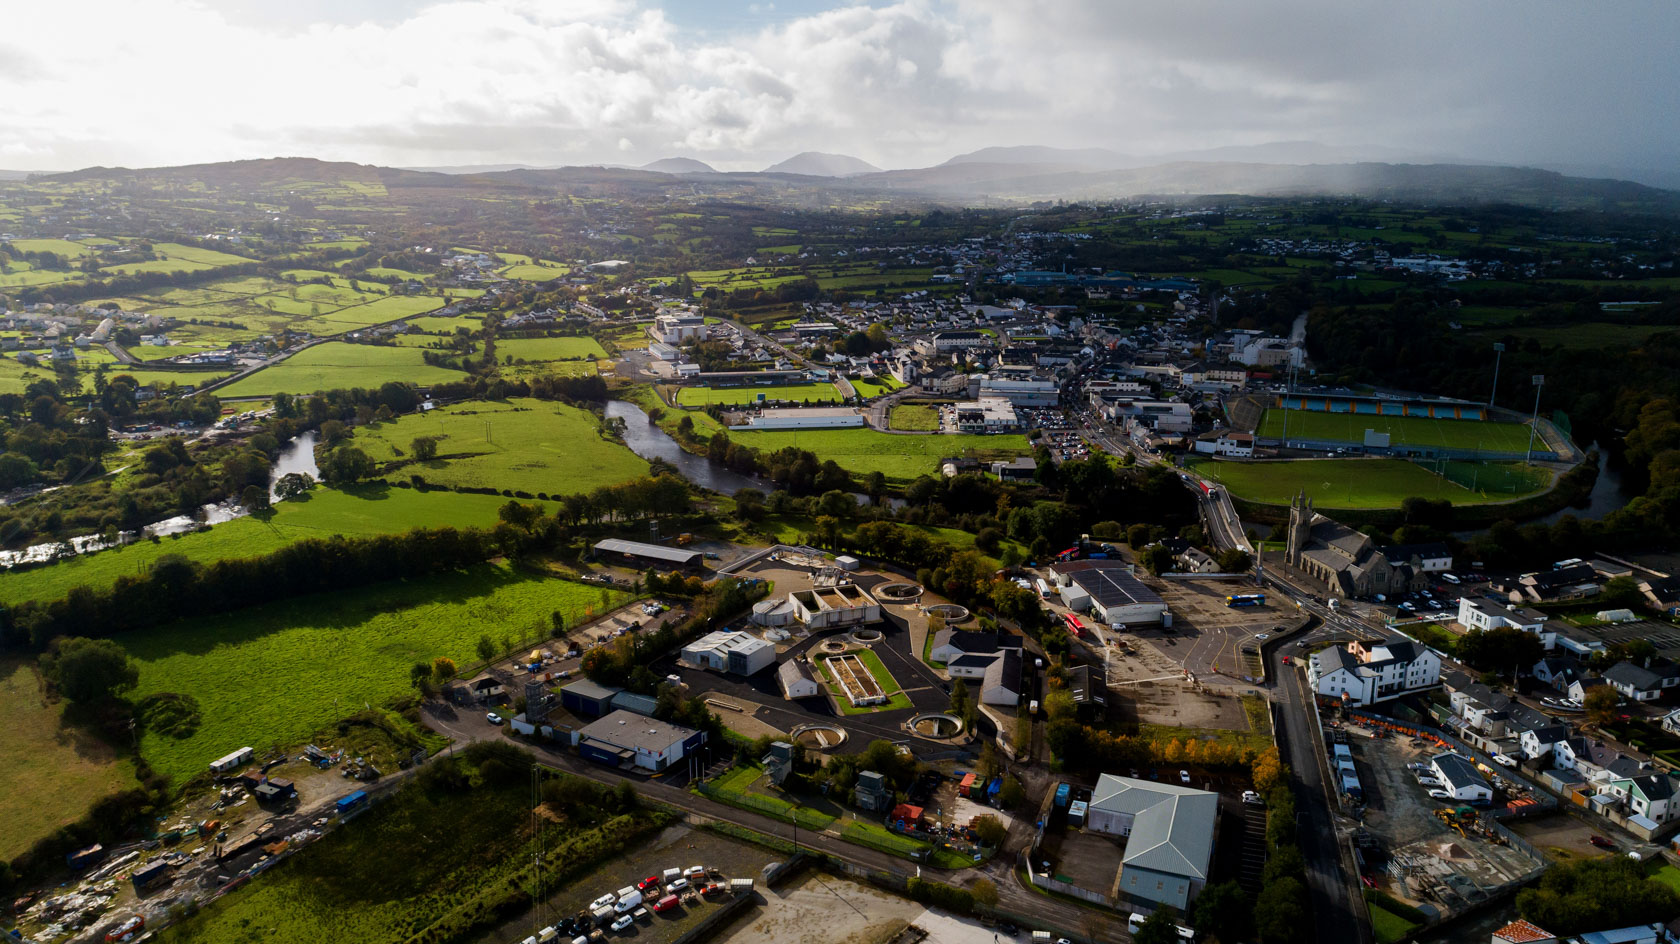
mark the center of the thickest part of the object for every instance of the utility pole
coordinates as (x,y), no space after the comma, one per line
(1539,381)
(1498,352)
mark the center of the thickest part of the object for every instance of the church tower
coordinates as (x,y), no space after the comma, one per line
(1300,527)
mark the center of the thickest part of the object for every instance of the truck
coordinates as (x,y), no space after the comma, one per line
(351,802)
(1064,792)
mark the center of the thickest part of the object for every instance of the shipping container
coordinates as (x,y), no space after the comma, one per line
(352,802)
(1063,794)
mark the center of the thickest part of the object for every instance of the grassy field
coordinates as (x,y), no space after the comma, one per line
(534,272)
(550,349)
(1388,926)
(362,510)
(174,257)
(272,675)
(529,445)
(735,786)
(897,457)
(914,416)
(796,393)
(869,389)
(53,773)
(1585,336)
(334,365)
(1403,430)
(1344,483)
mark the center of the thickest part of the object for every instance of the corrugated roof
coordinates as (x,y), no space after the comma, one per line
(650,551)
(1172,826)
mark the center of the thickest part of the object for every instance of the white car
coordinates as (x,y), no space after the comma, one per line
(676,886)
(1252,798)
(693,871)
(602,902)
(1504,760)
(1184,776)
(1440,795)
(1430,782)
(623,922)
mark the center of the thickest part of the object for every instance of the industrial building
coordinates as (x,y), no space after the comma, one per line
(624,737)
(835,607)
(1169,834)
(795,680)
(1036,393)
(638,554)
(1109,591)
(813,418)
(734,652)
(675,329)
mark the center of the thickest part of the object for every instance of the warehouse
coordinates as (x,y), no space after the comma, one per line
(733,652)
(841,605)
(587,699)
(1109,590)
(1169,833)
(812,418)
(795,680)
(640,555)
(625,738)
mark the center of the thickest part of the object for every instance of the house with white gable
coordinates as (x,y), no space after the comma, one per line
(1362,673)
(1474,613)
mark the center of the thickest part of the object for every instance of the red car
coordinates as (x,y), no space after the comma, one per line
(1601,842)
(648,884)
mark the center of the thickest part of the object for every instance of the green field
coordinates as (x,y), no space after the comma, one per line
(361,510)
(174,257)
(897,457)
(869,389)
(919,417)
(538,272)
(793,393)
(336,364)
(1403,430)
(549,349)
(54,773)
(271,675)
(896,699)
(1585,336)
(525,445)
(1360,483)
(63,247)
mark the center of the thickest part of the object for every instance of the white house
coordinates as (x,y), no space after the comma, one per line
(1431,557)
(1476,613)
(1232,444)
(1649,795)
(1538,743)
(1638,683)
(1367,673)
(1460,777)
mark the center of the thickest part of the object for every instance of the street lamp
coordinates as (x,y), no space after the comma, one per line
(1539,381)
(1498,351)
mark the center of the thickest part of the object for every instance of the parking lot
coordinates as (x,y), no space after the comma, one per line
(677,847)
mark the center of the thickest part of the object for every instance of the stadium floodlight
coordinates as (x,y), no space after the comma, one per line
(1498,352)
(1533,421)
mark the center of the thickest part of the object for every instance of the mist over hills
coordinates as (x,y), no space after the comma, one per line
(818,164)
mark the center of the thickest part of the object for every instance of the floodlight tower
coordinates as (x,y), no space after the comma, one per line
(1498,351)
(1539,381)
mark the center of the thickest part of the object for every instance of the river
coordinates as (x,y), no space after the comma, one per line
(296,456)
(1606,495)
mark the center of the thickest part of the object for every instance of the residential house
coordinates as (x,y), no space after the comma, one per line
(1460,778)
(1474,613)
(1232,444)
(1650,795)
(1638,683)
(1366,673)
(1537,744)
(1427,558)
(1663,593)
(1563,583)
(1556,671)
(1579,687)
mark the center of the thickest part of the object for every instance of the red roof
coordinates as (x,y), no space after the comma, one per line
(1521,932)
(908,813)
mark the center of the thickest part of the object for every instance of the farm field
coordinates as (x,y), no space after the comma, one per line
(1585,336)
(336,364)
(1345,483)
(1403,430)
(793,393)
(897,457)
(53,774)
(917,417)
(174,257)
(534,272)
(869,389)
(360,510)
(272,675)
(550,349)
(527,445)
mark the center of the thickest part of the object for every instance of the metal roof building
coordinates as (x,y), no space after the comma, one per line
(1169,832)
(638,554)
(624,738)
(1112,593)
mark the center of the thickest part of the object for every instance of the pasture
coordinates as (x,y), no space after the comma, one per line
(1586,335)
(174,257)
(916,417)
(550,349)
(534,271)
(527,445)
(272,675)
(54,773)
(336,364)
(869,388)
(359,511)
(1357,483)
(731,396)
(1422,431)
(901,458)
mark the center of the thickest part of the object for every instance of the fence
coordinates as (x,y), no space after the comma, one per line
(1063,888)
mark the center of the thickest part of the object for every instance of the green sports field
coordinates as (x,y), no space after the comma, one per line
(863,451)
(1403,430)
(1370,483)
(801,393)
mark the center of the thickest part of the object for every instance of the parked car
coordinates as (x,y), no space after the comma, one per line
(1252,798)
(622,922)
(648,884)
(1504,760)
(602,902)
(1601,842)
(1440,795)
(493,718)
(694,870)
(1184,776)
(1430,782)
(676,886)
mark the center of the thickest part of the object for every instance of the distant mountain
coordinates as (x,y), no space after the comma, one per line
(1274,152)
(817,164)
(1040,154)
(472,168)
(19,174)
(679,165)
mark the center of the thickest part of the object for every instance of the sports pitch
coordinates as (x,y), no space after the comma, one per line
(1371,483)
(1488,436)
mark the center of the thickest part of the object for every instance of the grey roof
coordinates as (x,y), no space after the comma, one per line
(1457,771)
(649,551)
(1108,583)
(983,643)
(628,730)
(591,690)
(1551,733)
(1655,786)
(1172,826)
(1005,672)
(1636,677)
(972,660)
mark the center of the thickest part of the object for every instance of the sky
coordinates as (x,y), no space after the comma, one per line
(741,85)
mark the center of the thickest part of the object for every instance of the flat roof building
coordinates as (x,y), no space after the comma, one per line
(987,415)
(1110,591)
(734,652)
(844,604)
(624,737)
(810,418)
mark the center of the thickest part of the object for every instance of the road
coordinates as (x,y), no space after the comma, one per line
(1073,920)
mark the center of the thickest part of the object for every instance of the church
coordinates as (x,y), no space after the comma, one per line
(1347,562)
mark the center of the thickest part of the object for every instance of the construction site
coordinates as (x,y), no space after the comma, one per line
(1442,856)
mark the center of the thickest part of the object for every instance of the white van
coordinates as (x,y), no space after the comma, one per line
(628,902)
(1135,922)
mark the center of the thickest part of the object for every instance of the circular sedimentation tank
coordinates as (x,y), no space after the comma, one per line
(937,725)
(834,646)
(867,637)
(898,592)
(949,612)
(819,737)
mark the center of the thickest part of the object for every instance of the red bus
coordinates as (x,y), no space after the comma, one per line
(1074,626)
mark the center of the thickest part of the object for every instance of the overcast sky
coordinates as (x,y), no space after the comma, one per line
(743,84)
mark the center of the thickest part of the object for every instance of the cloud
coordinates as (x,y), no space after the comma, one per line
(899,84)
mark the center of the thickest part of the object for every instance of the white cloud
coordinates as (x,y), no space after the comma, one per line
(902,84)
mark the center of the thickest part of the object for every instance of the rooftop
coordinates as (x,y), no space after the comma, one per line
(627,729)
(1108,583)
(1172,826)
